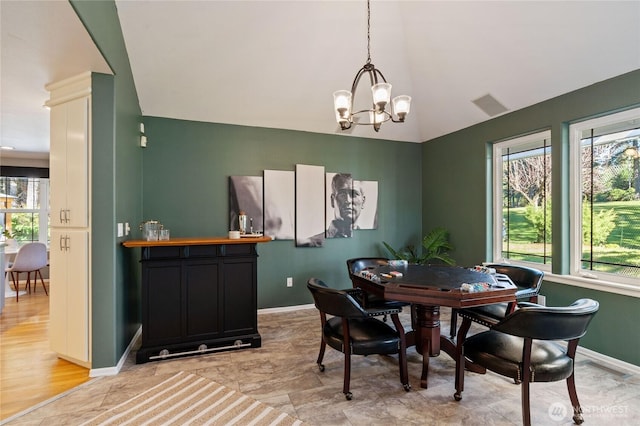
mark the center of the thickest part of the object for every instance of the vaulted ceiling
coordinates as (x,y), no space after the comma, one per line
(277,63)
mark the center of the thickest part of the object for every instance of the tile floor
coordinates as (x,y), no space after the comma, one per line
(283,373)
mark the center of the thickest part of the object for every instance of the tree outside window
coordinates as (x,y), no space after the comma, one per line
(22,209)
(523,180)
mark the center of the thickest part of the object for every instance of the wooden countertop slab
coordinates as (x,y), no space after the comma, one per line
(195,241)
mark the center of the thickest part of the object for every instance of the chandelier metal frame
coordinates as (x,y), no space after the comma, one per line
(381,91)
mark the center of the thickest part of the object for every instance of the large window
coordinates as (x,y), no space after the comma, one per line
(605,185)
(24,208)
(522,201)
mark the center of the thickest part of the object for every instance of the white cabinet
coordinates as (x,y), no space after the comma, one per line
(69,165)
(70,201)
(69,296)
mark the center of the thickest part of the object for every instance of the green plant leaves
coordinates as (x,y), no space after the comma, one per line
(435,247)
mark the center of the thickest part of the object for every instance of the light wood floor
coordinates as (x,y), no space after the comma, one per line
(30,372)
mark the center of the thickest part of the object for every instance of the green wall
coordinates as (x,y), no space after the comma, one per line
(116,188)
(186,170)
(455,182)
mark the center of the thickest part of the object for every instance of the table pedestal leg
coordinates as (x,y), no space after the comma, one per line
(427,337)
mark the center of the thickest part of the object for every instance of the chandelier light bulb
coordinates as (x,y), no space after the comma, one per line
(401,106)
(342,103)
(381,95)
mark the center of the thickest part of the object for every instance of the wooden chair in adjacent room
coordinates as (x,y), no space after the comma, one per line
(354,330)
(30,258)
(523,346)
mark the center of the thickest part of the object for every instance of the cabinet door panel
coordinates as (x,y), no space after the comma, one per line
(78,321)
(58,282)
(203,299)
(240,305)
(69,321)
(77,162)
(162,301)
(58,165)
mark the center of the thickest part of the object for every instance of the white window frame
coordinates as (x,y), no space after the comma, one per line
(43,211)
(498,147)
(594,279)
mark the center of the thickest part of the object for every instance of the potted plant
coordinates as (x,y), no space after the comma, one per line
(9,237)
(435,247)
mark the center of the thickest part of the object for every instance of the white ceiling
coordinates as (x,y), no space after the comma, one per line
(42,42)
(276,63)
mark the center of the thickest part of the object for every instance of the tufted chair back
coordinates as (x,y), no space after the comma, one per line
(334,302)
(550,323)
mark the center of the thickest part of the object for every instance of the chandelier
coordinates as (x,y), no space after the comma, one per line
(380,90)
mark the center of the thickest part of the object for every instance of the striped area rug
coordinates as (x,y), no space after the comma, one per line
(189,399)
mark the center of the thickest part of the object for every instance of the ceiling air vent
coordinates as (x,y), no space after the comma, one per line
(490,105)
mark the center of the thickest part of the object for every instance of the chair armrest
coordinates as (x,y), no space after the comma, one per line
(526,293)
(529,305)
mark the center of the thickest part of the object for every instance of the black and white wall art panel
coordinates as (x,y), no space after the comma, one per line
(340,205)
(368,204)
(279,204)
(246,195)
(310,200)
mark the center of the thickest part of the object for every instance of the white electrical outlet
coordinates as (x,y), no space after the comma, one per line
(289,281)
(542,300)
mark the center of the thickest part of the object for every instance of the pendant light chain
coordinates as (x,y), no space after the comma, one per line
(368,32)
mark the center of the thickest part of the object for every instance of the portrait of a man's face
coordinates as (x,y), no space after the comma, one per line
(351,204)
(347,198)
(344,203)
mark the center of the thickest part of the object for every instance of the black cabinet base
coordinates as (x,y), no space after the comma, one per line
(197,348)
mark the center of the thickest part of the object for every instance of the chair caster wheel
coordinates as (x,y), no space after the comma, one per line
(407,387)
(457,396)
(578,419)
(321,367)
(348,395)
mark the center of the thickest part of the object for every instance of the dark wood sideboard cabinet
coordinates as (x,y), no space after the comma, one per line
(198,296)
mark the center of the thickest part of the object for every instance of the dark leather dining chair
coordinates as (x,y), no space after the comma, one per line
(353,330)
(522,346)
(528,280)
(359,264)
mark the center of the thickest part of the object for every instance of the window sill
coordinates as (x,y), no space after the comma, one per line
(595,284)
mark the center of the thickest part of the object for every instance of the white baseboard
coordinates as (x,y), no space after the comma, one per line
(613,363)
(285,309)
(112,371)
